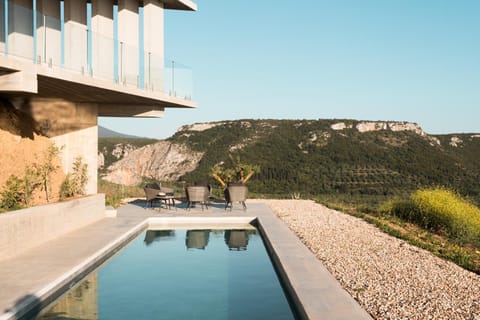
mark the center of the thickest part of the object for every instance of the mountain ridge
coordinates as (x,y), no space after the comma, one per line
(328,155)
(104,132)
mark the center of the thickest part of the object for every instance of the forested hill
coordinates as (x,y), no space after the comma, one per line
(329,156)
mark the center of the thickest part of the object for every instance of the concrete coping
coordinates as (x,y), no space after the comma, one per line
(200,222)
(315,292)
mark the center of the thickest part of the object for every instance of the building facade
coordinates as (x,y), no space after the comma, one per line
(67,62)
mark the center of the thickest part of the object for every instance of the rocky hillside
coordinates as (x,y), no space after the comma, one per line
(113,146)
(164,161)
(314,156)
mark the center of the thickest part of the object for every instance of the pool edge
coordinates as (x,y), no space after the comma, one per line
(314,291)
(43,297)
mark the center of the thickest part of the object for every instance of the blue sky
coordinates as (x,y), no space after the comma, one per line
(405,60)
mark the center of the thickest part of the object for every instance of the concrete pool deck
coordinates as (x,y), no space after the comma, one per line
(28,279)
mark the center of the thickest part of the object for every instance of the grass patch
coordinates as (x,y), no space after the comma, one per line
(114,193)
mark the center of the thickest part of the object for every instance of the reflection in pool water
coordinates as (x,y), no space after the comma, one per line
(180,274)
(236,239)
(157,235)
(197,239)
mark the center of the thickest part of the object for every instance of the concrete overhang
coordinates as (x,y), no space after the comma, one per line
(180,5)
(115,100)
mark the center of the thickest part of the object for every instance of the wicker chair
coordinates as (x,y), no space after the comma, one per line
(154,192)
(236,193)
(197,194)
(151,195)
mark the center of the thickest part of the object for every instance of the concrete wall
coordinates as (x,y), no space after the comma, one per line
(81,143)
(72,127)
(25,229)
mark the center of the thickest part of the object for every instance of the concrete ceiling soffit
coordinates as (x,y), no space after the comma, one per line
(138,111)
(180,5)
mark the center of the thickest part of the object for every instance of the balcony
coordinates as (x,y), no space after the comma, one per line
(87,66)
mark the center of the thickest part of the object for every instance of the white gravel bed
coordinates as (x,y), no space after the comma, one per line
(388,277)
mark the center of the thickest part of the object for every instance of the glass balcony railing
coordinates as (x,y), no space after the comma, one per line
(73,48)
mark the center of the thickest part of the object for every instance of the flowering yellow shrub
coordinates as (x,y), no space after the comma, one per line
(442,209)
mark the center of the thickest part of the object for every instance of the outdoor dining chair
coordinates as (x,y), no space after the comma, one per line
(197,194)
(154,192)
(236,193)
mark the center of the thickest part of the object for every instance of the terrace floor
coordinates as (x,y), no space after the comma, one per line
(28,279)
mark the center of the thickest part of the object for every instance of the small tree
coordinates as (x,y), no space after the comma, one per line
(46,168)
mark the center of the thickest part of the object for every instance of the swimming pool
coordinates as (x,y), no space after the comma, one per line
(181,274)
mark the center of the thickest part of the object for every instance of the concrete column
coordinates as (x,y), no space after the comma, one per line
(154,27)
(102,29)
(154,43)
(49,32)
(89,37)
(3,25)
(141,48)
(128,36)
(72,127)
(62,33)
(76,35)
(20,29)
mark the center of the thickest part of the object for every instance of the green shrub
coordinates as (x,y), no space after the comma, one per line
(66,189)
(401,208)
(12,194)
(75,182)
(441,209)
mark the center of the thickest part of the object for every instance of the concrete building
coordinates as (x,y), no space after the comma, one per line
(67,62)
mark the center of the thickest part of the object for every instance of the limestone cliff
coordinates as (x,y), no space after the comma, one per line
(163,161)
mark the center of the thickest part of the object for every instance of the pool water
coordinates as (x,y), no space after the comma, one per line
(181,274)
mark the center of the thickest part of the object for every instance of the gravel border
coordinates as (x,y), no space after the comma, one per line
(390,278)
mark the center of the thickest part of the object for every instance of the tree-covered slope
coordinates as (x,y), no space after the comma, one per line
(329,156)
